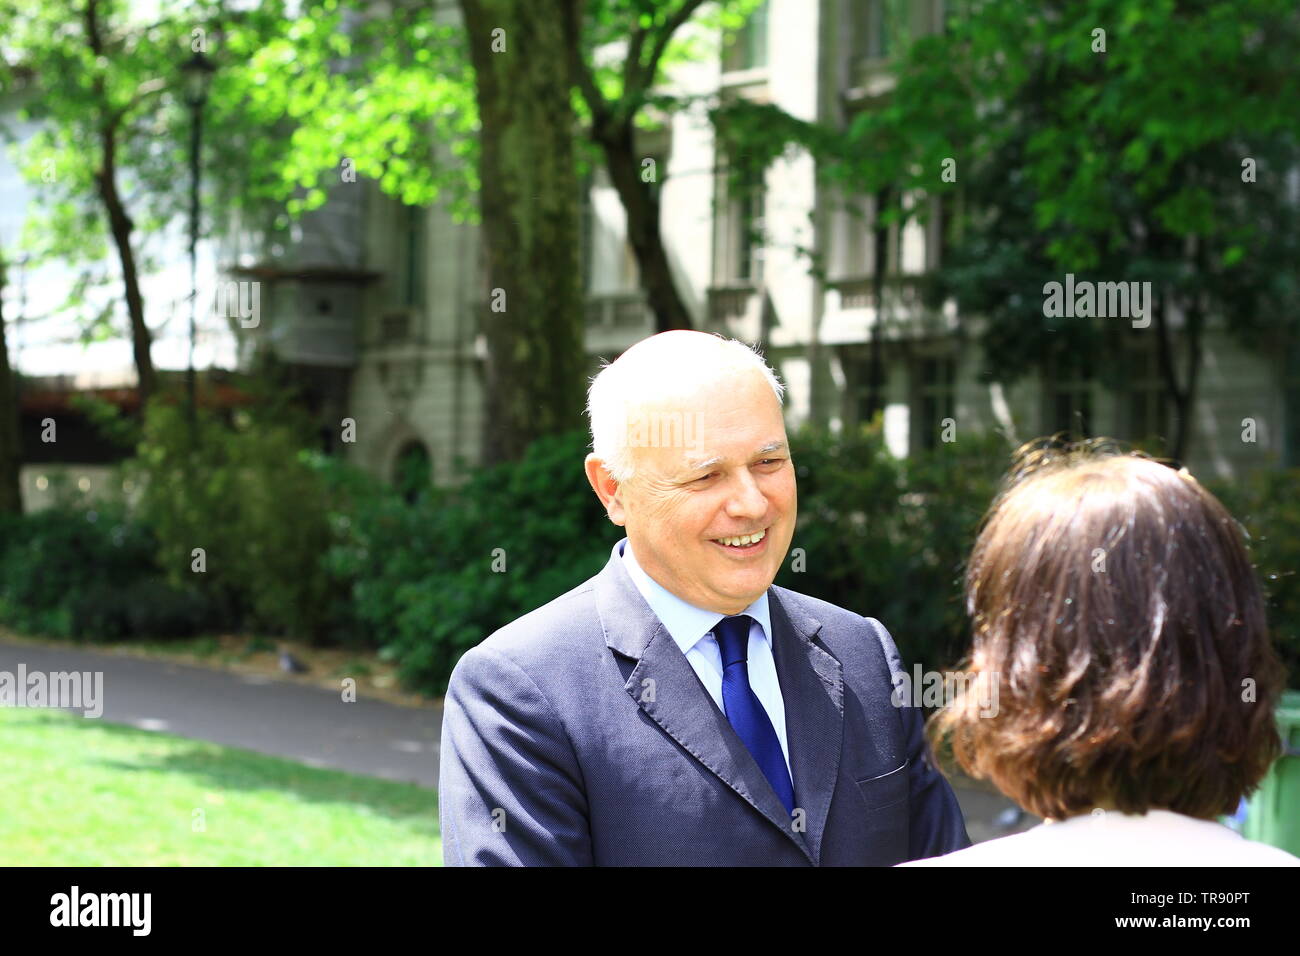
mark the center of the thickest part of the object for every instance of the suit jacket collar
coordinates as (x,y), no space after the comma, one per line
(665,687)
(687,623)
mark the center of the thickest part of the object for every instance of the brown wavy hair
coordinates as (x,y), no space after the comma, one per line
(1117,614)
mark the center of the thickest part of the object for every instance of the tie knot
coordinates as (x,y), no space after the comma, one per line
(733,638)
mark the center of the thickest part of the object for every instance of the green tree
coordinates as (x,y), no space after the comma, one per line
(417,103)
(1115,139)
(533,324)
(94,79)
(11,500)
(109,156)
(617,98)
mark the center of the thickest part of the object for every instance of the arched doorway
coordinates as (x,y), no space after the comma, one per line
(411,470)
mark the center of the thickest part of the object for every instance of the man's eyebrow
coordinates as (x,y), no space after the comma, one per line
(710,462)
(707,463)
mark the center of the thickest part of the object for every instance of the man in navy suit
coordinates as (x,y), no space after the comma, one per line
(677,708)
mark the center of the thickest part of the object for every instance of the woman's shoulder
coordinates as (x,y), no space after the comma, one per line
(1157,838)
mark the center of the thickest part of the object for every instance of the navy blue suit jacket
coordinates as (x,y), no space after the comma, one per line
(579,734)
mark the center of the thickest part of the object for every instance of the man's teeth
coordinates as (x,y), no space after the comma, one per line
(743,540)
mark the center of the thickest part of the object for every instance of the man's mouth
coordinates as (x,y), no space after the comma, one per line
(745,544)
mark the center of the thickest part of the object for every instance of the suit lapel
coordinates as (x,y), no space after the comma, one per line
(812,687)
(665,687)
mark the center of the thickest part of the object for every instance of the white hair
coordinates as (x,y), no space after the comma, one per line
(655,370)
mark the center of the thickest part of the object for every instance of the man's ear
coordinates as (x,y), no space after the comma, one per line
(606,488)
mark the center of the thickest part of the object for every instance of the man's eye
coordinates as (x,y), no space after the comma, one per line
(712,474)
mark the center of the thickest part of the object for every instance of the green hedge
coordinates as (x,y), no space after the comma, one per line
(245,492)
(882,536)
(88,572)
(1267,504)
(301,543)
(422,576)
(887,537)
(242,489)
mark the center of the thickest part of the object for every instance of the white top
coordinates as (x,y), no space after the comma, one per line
(1110,838)
(691,628)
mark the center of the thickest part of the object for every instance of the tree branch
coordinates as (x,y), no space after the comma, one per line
(633,57)
(579,71)
(671,26)
(142,93)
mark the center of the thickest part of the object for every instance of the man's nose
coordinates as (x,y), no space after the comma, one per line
(746,499)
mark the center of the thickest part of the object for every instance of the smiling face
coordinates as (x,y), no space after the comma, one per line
(727,473)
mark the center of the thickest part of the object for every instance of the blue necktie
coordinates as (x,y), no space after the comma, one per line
(745,711)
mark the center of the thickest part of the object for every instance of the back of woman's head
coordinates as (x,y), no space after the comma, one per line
(1116,612)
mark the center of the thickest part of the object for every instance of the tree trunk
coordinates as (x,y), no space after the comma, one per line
(1181,395)
(1180,398)
(11,499)
(642,207)
(880,262)
(118,221)
(1187,405)
(534,321)
(120,225)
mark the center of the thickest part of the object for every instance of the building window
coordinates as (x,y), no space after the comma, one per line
(746,49)
(939,239)
(1146,409)
(934,398)
(738,229)
(1069,380)
(609,264)
(412,274)
(853,249)
(870,25)
(749,227)
(395,326)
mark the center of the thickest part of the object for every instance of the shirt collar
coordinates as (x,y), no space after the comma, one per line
(685,623)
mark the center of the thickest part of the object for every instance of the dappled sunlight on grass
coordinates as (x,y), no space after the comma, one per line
(78,792)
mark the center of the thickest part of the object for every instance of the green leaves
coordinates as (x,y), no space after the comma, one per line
(243,494)
(422,574)
(1127,163)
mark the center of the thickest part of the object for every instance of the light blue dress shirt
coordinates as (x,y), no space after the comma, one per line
(691,628)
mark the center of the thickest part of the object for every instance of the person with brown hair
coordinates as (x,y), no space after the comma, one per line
(1119,624)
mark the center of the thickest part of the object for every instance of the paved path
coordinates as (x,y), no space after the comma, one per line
(308,724)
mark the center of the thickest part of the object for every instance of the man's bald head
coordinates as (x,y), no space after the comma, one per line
(660,372)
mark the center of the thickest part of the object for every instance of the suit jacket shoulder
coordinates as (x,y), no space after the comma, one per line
(858,641)
(548,634)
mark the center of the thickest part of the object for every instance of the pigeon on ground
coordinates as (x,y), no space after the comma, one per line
(291,664)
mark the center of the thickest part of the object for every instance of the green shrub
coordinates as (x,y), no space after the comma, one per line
(246,493)
(421,575)
(88,572)
(1267,504)
(888,537)
(883,536)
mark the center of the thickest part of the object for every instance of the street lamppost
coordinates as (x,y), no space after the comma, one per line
(197,73)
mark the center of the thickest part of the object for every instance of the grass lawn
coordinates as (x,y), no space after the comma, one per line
(78,792)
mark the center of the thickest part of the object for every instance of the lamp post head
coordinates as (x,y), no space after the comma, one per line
(197,72)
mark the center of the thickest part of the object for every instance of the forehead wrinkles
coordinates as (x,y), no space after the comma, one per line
(692,425)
